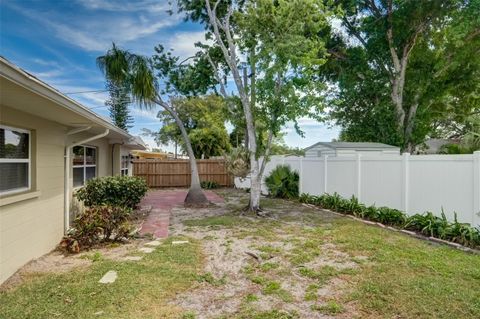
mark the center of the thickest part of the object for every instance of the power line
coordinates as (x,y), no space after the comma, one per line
(93,91)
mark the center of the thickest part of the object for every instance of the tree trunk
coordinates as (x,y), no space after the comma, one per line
(195,195)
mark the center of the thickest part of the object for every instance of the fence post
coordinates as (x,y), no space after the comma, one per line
(325,173)
(476,189)
(300,177)
(359,176)
(406,181)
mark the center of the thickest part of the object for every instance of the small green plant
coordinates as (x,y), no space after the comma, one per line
(282,182)
(209,184)
(97,256)
(330,308)
(124,191)
(251,298)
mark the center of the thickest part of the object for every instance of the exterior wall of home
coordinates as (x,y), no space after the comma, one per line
(31,227)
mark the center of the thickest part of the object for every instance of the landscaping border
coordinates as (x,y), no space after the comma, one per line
(404,231)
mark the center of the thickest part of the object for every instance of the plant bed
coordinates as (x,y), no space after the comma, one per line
(425,226)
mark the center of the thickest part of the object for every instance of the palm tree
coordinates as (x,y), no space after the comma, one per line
(135,72)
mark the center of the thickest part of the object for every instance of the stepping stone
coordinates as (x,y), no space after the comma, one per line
(133,258)
(154,243)
(109,277)
(146,250)
(180,242)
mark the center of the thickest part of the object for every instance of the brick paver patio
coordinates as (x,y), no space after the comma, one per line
(162,202)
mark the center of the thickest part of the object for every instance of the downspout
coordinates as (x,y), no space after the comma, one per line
(66,188)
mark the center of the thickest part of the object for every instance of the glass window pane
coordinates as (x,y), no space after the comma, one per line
(78,176)
(13,176)
(91,172)
(78,155)
(90,155)
(13,144)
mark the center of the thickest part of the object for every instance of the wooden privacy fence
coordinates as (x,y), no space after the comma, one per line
(176,173)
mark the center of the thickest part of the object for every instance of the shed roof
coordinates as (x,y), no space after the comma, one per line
(354,145)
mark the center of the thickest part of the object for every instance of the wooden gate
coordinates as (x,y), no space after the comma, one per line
(176,173)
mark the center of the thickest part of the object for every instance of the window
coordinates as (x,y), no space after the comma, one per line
(15,160)
(84,164)
(124,165)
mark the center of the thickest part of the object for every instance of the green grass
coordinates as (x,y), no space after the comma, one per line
(330,308)
(410,278)
(139,292)
(397,276)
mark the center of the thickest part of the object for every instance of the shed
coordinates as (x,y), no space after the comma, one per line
(350,149)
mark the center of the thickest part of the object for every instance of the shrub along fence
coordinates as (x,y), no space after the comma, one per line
(412,184)
(176,173)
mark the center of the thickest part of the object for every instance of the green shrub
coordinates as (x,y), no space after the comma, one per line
(283,182)
(124,191)
(427,224)
(209,184)
(98,224)
(390,216)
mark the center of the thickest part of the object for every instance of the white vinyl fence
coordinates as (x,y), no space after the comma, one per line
(411,183)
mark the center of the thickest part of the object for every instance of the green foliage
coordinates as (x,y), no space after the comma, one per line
(454,149)
(121,191)
(204,120)
(98,224)
(209,184)
(439,41)
(282,182)
(427,224)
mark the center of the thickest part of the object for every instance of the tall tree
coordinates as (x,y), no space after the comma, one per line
(401,66)
(204,118)
(117,104)
(274,83)
(135,73)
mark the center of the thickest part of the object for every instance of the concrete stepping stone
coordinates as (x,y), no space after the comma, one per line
(133,258)
(109,277)
(180,242)
(153,243)
(146,250)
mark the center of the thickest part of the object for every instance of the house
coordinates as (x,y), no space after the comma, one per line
(350,149)
(49,146)
(434,145)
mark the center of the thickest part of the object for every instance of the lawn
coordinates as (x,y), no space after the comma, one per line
(296,263)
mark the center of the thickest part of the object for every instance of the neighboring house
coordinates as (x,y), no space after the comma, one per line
(349,149)
(49,146)
(149,155)
(434,145)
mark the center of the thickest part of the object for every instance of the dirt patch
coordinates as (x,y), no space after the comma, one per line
(240,284)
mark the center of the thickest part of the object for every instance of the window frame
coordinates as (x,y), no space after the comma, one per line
(20,160)
(85,165)
(124,169)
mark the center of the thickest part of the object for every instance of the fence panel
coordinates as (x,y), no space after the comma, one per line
(413,184)
(176,173)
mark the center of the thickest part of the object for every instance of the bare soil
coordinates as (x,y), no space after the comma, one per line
(230,259)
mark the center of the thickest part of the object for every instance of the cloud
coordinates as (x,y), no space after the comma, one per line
(126,5)
(94,31)
(183,43)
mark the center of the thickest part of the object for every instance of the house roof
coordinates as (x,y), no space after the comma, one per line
(23,91)
(354,145)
